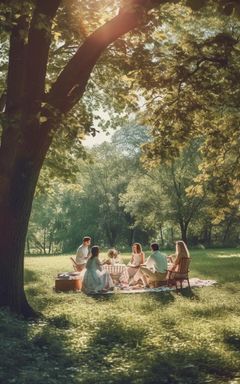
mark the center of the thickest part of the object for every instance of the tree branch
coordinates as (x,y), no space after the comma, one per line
(72,81)
(39,40)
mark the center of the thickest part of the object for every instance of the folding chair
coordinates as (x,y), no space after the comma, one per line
(77,267)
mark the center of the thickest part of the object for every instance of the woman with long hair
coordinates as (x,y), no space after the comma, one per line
(181,253)
(95,279)
(138,258)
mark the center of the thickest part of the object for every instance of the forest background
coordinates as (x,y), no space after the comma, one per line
(116,200)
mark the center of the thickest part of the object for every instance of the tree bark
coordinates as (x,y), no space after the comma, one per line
(161,235)
(183,228)
(15,208)
(227,230)
(28,246)
(207,234)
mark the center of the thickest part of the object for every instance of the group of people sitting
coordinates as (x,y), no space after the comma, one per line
(97,278)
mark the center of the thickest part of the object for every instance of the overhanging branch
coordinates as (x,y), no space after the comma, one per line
(71,83)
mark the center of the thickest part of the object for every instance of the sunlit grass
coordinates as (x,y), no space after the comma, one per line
(142,338)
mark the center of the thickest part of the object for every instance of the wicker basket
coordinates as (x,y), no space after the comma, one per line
(63,285)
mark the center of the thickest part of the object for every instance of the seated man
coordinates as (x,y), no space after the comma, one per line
(155,268)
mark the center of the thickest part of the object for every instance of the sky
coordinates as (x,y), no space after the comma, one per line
(100,137)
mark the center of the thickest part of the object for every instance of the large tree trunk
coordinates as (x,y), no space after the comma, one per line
(16,195)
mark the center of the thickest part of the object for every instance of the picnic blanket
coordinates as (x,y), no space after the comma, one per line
(194,282)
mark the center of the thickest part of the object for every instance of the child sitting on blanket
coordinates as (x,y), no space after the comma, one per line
(113,257)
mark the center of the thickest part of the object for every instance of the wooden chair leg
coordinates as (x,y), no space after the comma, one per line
(176,284)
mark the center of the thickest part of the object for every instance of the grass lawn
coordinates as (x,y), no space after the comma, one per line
(141,338)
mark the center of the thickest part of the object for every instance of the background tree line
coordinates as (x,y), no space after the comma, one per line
(118,199)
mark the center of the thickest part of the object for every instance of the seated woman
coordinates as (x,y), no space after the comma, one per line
(138,258)
(113,257)
(95,279)
(176,259)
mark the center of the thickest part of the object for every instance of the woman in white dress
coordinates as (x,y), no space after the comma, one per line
(95,279)
(138,258)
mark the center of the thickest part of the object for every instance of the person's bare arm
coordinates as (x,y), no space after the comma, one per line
(171,258)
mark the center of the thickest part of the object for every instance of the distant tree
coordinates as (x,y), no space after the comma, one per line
(63,213)
(129,138)
(160,197)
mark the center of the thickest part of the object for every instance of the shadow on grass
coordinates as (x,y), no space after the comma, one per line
(115,352)
(98,297)
(30,276)
(164,298)
(115,346)
(187,293)
(112,332)
(60,321)
(33,353)
(232,339)
(184,366)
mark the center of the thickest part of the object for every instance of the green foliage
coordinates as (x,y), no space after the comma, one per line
(160,201)
(129,139)
(63,214)
(190,80)
(181,63)
(116,201)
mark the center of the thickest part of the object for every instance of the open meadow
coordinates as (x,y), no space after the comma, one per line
(139,338)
